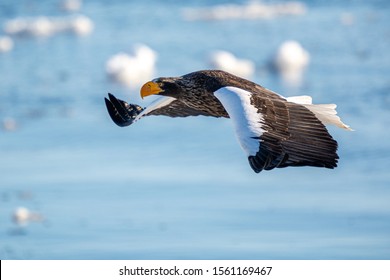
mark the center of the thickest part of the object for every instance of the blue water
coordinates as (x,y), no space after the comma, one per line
(182,188)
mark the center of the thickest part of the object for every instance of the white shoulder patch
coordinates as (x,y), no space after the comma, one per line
(158,103)
(244,115)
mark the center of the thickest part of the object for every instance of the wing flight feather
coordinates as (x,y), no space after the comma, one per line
(125,114)
(276,133)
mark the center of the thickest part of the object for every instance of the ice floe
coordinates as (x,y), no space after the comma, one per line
(250,10)
(47,26)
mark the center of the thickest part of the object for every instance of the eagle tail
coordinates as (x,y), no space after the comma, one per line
(326,113)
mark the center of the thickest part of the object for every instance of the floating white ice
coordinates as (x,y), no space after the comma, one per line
(47,26)
(250,10)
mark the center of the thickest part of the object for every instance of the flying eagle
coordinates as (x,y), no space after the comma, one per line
(274,131)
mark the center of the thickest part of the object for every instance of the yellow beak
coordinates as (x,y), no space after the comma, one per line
(150,88)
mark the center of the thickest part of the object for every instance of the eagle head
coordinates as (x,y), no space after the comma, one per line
(163,86)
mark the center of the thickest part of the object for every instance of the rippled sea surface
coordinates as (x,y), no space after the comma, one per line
(182,188)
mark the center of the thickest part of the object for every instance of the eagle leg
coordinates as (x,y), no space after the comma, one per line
(122,113)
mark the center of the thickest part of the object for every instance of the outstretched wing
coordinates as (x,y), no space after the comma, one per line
(275,132)
(124,114)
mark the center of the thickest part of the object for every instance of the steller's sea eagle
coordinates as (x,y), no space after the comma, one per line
(274,131)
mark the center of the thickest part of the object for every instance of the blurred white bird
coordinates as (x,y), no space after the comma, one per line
(291,60)
(71,5)
(21,216)
(223,60)
(6,44)
(9,124)
(37,27)
(132,70)
(81,25)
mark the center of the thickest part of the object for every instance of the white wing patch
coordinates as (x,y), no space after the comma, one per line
(244,115)
(158,103)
